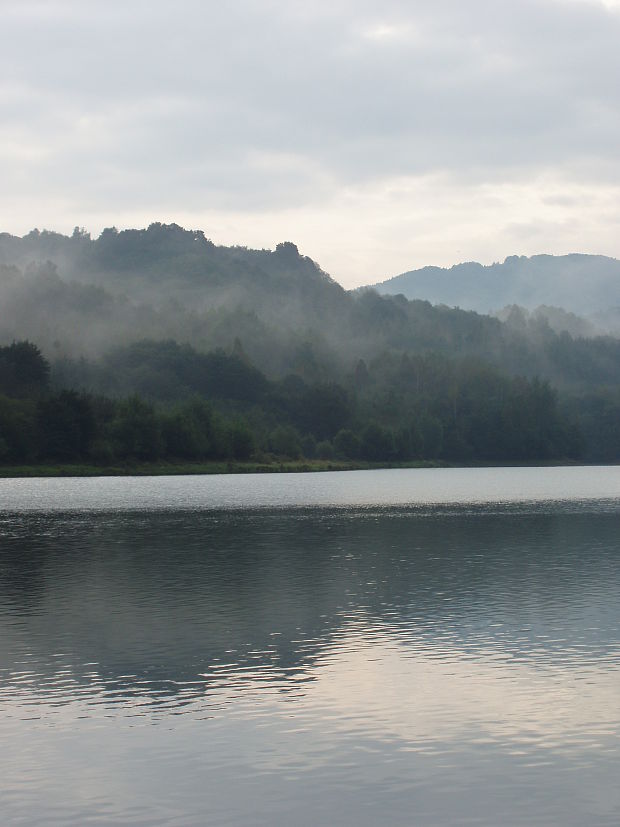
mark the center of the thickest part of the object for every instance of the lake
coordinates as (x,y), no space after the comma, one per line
(427,647)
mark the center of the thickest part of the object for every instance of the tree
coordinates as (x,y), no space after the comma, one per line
(136,430)
(23,369)
(377,443)
(66,426)
(325,409)
(284,441)
(18,431)
(347,444)
(240,439)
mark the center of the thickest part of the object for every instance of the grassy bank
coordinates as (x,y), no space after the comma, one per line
(147,469)
(174,468)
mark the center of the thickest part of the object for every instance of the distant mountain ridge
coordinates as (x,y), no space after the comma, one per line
(580,283)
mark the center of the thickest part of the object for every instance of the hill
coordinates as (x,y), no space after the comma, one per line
(77,295)
(582,284)
(81,297)
(284,354)
(165,261)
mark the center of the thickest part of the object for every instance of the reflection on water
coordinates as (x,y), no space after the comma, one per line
(446,665)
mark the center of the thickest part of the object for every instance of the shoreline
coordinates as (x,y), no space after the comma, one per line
(162,469)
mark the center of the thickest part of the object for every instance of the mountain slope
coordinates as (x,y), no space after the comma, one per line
(583,284)
(166,261)
(75,296)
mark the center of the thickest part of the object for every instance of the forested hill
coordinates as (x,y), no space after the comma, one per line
(167,262)
(76,296)
(583,284)
(271,341)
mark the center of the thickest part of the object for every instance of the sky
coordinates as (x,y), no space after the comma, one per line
(377,136)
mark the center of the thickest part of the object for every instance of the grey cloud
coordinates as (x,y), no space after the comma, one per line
(183,97)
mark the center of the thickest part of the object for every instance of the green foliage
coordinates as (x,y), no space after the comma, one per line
(347,445)
(284,441)
(183,437)
(325,449)
(597,424)
(165,370)
(212,353)
(18,430)
(241,441)
(136,430)
(166,283)
(408,407)
(309,446)
(66,426)
(324,410)
(377,443)
(23,369)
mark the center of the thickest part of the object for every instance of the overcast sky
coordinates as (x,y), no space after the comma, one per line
(378,136)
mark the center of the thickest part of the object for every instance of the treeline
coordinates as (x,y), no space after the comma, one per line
(163,401)
(68,427)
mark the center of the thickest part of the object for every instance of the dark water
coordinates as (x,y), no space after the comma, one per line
(427,648)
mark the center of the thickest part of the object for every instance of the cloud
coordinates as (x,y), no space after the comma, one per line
(260,108)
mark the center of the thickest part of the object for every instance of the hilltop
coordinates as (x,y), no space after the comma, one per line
(583,284)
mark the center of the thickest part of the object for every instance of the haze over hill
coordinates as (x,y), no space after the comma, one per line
(285,355)
(80,296)
(582,284)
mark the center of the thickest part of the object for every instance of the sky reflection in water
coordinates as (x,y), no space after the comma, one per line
(447,665)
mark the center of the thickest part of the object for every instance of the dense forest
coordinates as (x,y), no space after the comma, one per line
(156,344)
(194,406)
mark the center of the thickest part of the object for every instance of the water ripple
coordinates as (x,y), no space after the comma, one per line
(312,666)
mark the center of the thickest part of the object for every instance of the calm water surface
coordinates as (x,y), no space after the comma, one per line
(433,647)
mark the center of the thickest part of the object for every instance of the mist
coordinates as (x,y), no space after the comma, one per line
(268,336)
(80,297)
